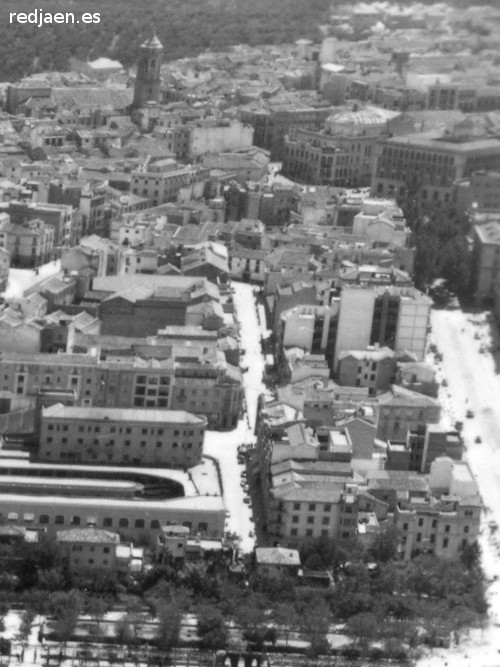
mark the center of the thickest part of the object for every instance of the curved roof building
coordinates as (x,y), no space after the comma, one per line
(360,121)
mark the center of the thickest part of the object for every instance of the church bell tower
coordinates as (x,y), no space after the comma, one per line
(148,82)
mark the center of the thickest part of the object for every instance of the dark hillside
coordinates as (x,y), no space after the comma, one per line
(186,27)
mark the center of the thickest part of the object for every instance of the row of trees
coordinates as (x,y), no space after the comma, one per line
(373,590)
(442,250)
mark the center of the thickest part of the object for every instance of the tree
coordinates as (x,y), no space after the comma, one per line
(43,555)
(212,629)
(363,628)
(285,617)
(353,591)
(66,609)
(314,622)
(385,545)
(470,555)
(169,626)
(97,608)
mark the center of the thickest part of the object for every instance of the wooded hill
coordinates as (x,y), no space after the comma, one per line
(186,28)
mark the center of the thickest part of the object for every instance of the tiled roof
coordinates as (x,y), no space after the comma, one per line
(277,556)
(89,535)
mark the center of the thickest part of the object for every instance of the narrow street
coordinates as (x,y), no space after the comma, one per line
(223,445)
(473,384)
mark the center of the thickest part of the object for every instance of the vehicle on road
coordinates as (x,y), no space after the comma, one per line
(469,414)
(478,439)
(246,501)
(444,382)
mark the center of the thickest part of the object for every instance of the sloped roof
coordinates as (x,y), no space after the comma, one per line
(89,535)
(277,556)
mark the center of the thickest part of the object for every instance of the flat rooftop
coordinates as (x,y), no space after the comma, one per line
(60,411)
(201,481)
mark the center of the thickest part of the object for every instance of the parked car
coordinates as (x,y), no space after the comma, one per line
(246,501)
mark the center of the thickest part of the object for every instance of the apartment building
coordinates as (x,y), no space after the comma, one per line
(310,328)
(374,368)
(163,438)
(342,154)
(142,304)
(61,217)
(447,520)
(422,448)
(168,181)
(479,192)
(392,316)
(426,165)
(401,410)
(201,384)
(50,497)
(30,244)
(273,121)
(208,135)
(87,198)
(89,548)
(485,265)
(306,488)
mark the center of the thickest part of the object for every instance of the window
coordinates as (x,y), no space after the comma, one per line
(310,519)
(312,507)
(139,523)
(447,528)
(44,518)
(107,522)
(123,523)
(325,521)
(420,522)
(419,537)
(432,539)
(445,542)
(202,527)
(309,532)
(466,529)
(59,519)
(75,520)
(296,506)
(295,518)
(294,532)
(434,523)
(327,507)
(405,526)
(155,524)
